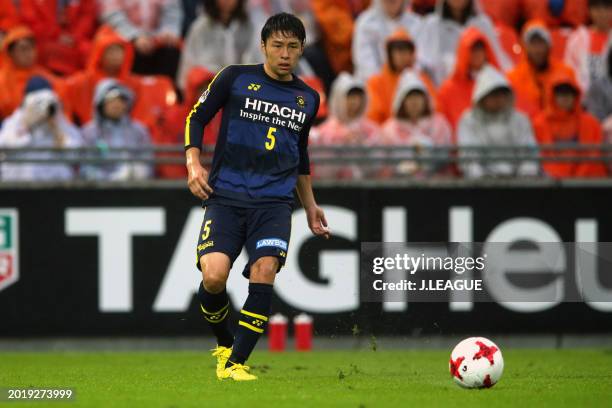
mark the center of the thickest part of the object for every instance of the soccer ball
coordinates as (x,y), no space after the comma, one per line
(476,363)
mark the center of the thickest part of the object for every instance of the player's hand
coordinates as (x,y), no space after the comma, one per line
(317,221)
(197,180)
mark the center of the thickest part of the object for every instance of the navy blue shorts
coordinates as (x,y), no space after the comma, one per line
(263,231)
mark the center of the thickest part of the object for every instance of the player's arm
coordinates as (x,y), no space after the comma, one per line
(314,214)
(203,112)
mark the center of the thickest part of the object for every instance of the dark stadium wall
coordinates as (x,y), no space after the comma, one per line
(121,261)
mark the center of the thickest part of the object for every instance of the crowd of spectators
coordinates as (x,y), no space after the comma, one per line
(420,74)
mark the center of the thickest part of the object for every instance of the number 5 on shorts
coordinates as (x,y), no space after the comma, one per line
(206,230)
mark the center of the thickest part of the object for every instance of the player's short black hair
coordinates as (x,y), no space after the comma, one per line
(285,23)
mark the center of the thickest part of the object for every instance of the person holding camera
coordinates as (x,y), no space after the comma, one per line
(38,123)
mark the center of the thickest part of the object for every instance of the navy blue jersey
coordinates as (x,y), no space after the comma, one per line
(263,138)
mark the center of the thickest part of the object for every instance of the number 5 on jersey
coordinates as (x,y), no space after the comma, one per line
(271,138)
(206,230)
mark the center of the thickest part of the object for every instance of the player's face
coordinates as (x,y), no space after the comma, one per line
(282,54)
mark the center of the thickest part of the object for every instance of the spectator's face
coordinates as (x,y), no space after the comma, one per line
(392,8)
(402,57)
(537,51)
(226,8)
(565,100)
(601,15)
(115,108)
(458,5)
(23,53)
(282,54)
(478,57)
(414,105)
(112,59)
(497,101)
(354,104)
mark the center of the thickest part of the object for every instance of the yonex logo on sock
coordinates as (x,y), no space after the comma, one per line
(257,323)
(272,242)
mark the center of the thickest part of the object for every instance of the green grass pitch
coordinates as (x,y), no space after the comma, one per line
(532,378)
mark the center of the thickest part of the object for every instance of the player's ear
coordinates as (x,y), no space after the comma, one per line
(262,47)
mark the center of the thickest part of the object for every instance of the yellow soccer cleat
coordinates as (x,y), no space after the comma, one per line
(238,372)
(222,354)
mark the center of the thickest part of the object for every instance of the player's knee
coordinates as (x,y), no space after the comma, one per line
(214,276)
(214,283)
(264,270)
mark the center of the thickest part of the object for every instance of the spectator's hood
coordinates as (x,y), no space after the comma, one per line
(409,81)
(536,27)
(105,88)
(399,35)
(488,80)
(104,39)
(339,91)
(562,78)
(470,36)
(12,36)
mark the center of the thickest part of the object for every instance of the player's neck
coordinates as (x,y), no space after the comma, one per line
(275,76)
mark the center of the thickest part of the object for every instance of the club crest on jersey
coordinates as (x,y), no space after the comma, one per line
(204,96)
(254,87)
(301,102)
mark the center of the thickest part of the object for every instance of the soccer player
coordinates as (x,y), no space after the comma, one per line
(260,156)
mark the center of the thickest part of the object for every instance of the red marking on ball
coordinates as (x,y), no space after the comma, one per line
(454,367)
(487,382)
(485,351)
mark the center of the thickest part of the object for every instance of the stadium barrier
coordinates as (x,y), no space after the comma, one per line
(325,155)
(98,259)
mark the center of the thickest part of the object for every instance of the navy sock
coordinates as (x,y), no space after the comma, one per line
(252,323)
(215,307)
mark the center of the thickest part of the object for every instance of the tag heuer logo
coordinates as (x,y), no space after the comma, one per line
(300,101)
(9,253)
